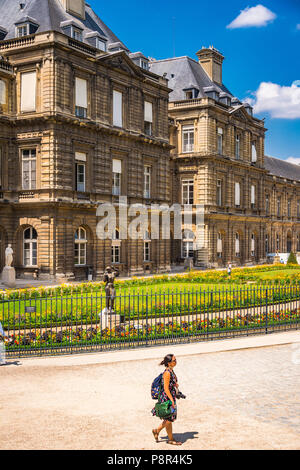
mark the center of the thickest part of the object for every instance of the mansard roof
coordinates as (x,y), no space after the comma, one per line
(282,168)
(48,15)
(185,73)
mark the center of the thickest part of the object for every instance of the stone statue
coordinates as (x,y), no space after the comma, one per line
(8,256)
(9,273)
(110,291)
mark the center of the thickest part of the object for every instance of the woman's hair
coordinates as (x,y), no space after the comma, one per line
(166,361)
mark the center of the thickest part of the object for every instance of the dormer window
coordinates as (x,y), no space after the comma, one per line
(225,99)
(72,28)
(3,33)
(97,40)
(211,92)
(140,60)
(26,26)
(191,93)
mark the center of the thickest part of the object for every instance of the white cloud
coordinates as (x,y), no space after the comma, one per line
(294,160)
(255,16)
(279,101)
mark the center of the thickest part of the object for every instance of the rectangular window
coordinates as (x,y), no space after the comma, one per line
(187,139)
(115,254)
(2,92)
(81,97)
(219,192)
(237,194)
(101,44)
(80,167)
(117,174)
(237,147)
(28,92)
(147,181)
(278,207)
(22,30)
(148,118)
(76,34)
(188,192)
(298,209)
(147,248)
(220,141)
(117,109)
(29,169)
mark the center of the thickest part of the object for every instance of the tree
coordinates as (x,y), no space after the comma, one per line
(292,259)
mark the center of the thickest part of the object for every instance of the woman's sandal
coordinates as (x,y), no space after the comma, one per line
(174,443)
(155,434)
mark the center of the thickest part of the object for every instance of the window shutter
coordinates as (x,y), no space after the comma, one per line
(117,109)
(252,194)
(117,166)
(220,130)
(237,194)
(148,112)
(28,91)
(81,93)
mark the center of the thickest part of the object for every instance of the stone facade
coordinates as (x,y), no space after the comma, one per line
(240,231)
(53,134)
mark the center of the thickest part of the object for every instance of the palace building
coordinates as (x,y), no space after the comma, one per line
(82,122)
(251,202)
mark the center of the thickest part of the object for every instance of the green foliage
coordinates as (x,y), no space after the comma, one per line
(292,259)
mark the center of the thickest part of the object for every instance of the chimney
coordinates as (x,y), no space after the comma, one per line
(211,60)
(74,7)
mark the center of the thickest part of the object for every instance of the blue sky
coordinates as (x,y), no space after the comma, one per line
(261,49)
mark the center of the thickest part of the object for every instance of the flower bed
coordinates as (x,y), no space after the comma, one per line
(239,276)
(89,336)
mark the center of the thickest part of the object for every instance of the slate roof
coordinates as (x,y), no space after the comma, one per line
(185,73)
(49,14)
(283,169)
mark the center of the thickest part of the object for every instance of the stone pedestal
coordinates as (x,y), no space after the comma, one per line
(109,320)
(9,276)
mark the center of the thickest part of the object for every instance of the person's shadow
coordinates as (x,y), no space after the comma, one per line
(184,437)
(11,363)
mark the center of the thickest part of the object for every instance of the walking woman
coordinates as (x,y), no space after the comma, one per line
(168,392)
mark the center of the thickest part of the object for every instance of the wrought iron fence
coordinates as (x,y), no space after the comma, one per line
(58,324)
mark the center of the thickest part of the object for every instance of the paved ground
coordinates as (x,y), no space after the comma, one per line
(237,399)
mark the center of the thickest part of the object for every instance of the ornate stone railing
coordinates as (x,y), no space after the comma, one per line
(5,66)
(18,42)
(82,47)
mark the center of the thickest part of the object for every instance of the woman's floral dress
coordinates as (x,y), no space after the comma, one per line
(163,397)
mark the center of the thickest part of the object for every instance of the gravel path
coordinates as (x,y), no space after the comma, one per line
(245,399)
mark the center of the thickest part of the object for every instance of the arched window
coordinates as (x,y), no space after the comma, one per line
(116,248)
(30,247)
(80,247)
(237,245)
(219,245)
(188,244)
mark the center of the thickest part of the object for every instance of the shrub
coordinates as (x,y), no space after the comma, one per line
(292,259)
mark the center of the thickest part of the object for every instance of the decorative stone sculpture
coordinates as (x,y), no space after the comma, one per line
(9,273)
